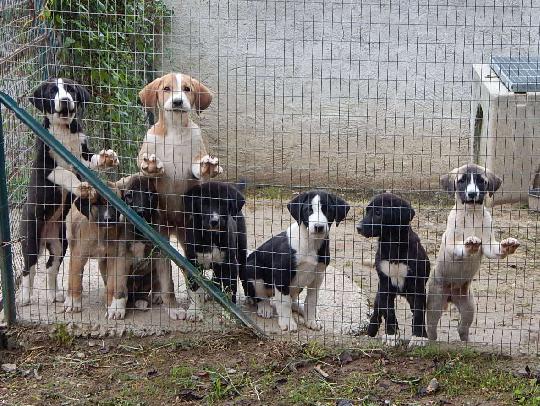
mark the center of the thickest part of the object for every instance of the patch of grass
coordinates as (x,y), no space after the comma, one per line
(315,350)
(269,193)
(183,376)
(310,391)
(61,336)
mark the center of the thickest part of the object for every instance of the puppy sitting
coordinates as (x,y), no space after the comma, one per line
(468,237)
(401,263)
(278,271)
(215,238)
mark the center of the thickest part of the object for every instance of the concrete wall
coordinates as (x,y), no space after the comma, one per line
(343,93)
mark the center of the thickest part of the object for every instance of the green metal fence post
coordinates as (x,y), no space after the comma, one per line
(6,263)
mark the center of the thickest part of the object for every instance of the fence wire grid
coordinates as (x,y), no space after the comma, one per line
(355,98)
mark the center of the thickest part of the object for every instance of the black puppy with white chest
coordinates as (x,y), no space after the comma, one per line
(296,259)
(215,238)
(52,181)
(402,265)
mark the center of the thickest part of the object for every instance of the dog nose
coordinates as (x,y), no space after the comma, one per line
(472,195)
(213,222)
(177,103)
(318,228)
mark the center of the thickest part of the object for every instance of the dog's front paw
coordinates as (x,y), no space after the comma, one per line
(265,309)
(313,324)
(418,341)
(194,315)
(85,191)
(287,324)
(472,245)
(509,246)
(72,304)
(152,165)
(210,167)
(55,296)
(176,313)
(117,309)
(141,304)
(391,340)
(107,159)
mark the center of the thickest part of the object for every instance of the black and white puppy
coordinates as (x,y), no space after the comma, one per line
(52,180)
(278,271)
(401,263)
(215,238)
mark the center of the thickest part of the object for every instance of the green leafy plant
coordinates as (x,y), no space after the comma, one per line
(113,47)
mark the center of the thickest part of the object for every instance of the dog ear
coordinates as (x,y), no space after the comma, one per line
(188,201)
(83,205)
(295,206)
(341,208)
(448,182)
(83,95)
(236,201)
(494,182)
(39,98)
(149,94)
(203,96)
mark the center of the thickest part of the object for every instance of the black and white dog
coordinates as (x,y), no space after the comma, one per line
(278,271)
(401,263)
(52,180)
(215,238)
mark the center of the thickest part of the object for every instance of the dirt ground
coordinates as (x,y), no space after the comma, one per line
(508,317)
(47,366)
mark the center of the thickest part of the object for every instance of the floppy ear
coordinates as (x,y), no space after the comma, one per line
(149,94)
(83,205)
(83,95)
(448,182)
(295,206)
(203,96)
(494,182)
(341,208)
(38,97)
(236,201)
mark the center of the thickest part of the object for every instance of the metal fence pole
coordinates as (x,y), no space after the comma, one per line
(6,263)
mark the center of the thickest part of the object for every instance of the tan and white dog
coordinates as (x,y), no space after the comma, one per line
(174,151)
(469,236)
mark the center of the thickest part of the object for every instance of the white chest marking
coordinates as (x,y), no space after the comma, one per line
(396,272)
(206,259)
(306,254)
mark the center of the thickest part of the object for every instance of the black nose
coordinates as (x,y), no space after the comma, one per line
(472,195)
(213,223)
(177,103)
(318,228)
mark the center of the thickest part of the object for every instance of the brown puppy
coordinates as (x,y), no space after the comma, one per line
(173,150)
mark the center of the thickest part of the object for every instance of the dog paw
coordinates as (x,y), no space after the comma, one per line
(287,324)
(313,324)
(391,340)
(210,167)
(55,296)
(472,245)
(141,304)
(176,313)
(418,341)
(85,191)
(298,308)
(194,315)
(509,245)
(72,304)
(152,165)
(107,159)
(117,309)
(265,309)
(26,294)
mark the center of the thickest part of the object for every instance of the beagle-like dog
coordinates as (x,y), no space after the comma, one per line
(173,150)
(469,236)
(53,183)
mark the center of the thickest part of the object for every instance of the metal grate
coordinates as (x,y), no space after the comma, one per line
(519,74)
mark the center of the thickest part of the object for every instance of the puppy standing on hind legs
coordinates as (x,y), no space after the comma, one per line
(469,236)
(402,266)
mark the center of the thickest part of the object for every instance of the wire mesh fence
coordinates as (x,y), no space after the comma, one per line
(353,97)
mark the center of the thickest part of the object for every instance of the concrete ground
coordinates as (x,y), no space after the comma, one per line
(507,316)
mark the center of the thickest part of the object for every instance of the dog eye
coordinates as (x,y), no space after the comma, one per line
(167,89)
(54,89)
(377,212)
(186,89)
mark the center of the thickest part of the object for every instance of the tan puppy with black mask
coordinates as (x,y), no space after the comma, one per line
(468,237)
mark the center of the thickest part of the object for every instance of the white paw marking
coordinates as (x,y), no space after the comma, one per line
(391,340)
(151,164)
(510,245)
(472,244)
(265,309)
(108,158)
(418,341)
(117,309)
(286,324)
(55,296)
(72,305)
(176,313)
(313,324)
